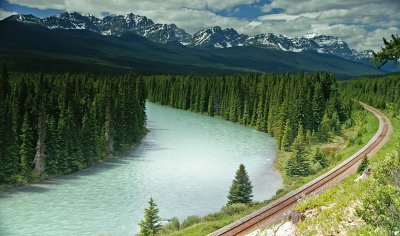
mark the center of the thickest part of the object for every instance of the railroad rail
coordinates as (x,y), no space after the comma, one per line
(277,208)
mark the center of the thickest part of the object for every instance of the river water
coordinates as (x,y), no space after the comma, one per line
(186,163)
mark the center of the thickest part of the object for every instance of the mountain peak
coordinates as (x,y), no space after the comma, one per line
(212,37)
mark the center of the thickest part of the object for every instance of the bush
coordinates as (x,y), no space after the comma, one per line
(381,208)
(363,165)
(172,226)
(234,208)
(190,220)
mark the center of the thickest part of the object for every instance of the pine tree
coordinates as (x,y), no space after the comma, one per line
(26,149)
(151,224)
(320,158)
(89,138)
(298,163)
(288,136)
(390,52)
(324,129)
(241,188)
(317,105)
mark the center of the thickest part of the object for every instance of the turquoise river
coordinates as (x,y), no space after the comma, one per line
(186,163)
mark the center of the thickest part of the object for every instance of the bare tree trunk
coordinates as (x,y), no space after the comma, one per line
(40,157)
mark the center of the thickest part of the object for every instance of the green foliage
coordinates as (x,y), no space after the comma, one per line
(234,208)
(319,157)
(363,165)
(273,103)
(390,52)
(380,92)
(26,149)
(288,135)
(241,188)
(151,223)
(381,208)
(173,226)
(298,163)
(73,119)
(189,221)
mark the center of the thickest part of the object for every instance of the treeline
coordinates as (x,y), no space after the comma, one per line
(306,107)
(60,123)
(377,91)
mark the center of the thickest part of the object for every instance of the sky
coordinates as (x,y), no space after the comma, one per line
(360,23)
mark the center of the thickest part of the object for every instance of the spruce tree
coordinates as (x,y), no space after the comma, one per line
(26,149)
(298,163)
(241,188)
(363,165)
(390,52)
(288,136)
(320,158)
(151,224)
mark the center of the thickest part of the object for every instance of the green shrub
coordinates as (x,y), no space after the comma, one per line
(190,220)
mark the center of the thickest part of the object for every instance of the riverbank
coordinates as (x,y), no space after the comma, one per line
(354,137)
(38,179)
(185,163)
(325,215)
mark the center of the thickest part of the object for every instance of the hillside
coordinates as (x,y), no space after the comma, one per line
(83,50)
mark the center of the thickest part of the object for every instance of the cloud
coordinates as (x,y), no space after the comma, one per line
(5,14)
(360,23)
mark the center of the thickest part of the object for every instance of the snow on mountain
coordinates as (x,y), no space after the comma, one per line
(214,37)
(218,38)
(110,25)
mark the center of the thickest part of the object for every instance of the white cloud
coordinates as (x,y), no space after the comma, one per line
(360,23)
(5,14)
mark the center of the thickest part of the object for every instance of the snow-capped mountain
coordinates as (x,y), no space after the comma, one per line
(214,37)
(110,25)
(218,38)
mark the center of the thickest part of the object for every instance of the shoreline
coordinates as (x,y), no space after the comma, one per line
(120,154)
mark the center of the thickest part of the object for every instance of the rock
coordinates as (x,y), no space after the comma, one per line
(297,216)
(367,172)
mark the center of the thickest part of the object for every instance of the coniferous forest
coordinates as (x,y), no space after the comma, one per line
(60,123)
(295,109)
(268,102)
(378,91)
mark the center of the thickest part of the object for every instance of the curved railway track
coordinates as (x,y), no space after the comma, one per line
(276,209)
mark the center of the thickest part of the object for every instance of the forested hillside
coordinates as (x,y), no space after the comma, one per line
(58,123)
(296,109)
(377,91)
(369,205)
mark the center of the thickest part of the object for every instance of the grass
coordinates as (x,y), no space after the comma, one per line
(365,123)
(337,150)
(334,209)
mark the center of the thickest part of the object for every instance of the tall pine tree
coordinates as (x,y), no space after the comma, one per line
(151,224)
(241,188)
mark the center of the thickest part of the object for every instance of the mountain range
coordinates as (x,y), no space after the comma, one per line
(214,37)
(120,43)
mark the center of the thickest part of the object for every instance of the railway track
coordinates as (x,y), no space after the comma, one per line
(276,209)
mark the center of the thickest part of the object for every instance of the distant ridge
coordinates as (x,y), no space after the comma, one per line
(214,37)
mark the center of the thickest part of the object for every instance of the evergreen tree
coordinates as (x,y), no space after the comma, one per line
(363,165)
(324,129)
(320,158)
(26,149)
(241,188)
(288,136)
(298,163)
(318,105)
(151,224)
(390,52)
